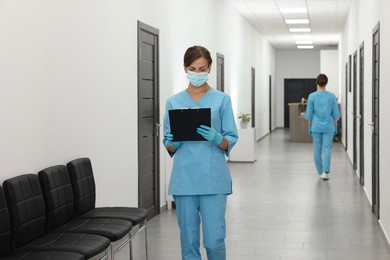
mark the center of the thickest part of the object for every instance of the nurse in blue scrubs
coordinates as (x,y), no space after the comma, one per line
(322,111)
(200,180)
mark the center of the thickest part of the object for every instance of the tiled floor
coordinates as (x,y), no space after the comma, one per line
(281,210)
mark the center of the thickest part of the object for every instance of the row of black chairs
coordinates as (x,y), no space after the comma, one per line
(53,216)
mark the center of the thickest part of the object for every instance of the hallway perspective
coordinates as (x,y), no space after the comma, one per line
(281,210)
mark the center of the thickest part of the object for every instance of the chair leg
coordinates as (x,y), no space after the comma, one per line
(146,241)
(143,226)
(131,248)
(105,257)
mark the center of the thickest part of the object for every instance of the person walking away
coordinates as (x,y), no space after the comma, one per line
(322,112)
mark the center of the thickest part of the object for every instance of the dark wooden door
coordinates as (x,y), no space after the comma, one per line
(294,91)
(270,102)
(346,107)
(354,113)
(220,72)
(253,97)
(375,123)
(148,120)
(361,114)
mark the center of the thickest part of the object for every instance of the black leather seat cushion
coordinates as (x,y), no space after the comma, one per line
(27,213)
(58,194)
(85,244)
(43,255)
(135,215)
(84,190)
(113,229)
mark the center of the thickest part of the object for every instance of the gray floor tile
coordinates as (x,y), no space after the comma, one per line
(281,210)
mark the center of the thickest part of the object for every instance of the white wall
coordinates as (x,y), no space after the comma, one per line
(330,66)
(69,80)
(356,31)
(293,64)
(384,129)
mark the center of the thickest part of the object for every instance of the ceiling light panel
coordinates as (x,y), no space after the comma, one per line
(305,47)
(302,30)
(297,21)
(302,10)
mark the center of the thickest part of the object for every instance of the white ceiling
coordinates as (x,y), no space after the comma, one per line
(326,20)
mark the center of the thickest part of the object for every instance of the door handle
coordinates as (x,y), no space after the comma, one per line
(372,126)
(157,129)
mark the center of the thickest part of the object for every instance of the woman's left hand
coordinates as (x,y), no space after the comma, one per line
(210,134)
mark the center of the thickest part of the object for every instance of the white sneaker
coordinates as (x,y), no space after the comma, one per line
(324,176)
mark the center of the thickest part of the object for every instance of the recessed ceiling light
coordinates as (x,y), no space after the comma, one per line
(299,29)
(297,21)
(303,42)
(293,10)
(305,46)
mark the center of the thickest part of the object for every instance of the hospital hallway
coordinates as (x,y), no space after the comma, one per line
(281,210)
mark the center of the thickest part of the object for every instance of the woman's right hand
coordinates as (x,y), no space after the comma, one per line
(174,145)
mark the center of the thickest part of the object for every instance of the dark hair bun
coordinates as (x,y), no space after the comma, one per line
(322,80)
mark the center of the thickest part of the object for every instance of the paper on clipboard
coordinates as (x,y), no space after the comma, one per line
(185,121)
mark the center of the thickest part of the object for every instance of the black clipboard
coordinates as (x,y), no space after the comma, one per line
(184,123)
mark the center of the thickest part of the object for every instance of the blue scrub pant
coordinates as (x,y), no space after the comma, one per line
(210,209)
(322,143)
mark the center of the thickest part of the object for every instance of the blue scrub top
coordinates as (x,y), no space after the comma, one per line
(322,109)
(200,167)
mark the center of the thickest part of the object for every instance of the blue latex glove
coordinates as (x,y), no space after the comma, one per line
(210,134)
(175,145)
(309,130)
(335,130)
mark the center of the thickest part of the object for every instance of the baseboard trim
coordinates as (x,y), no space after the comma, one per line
(384,234)
(163,207)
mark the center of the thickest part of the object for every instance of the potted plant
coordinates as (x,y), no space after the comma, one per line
(244,119)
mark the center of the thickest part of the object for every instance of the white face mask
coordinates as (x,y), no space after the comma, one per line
(197,79)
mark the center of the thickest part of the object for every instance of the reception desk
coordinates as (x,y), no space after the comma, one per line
(298,123)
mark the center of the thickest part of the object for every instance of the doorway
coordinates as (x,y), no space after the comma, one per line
(294,91)
(270,102)
(148,119)
(345,130)
(220,72)
(361,113)
(253,96)
(354,111)
(375,117)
